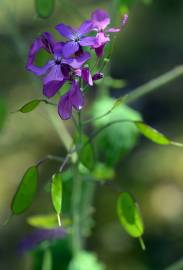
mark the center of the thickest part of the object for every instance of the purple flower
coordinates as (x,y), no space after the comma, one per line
(124,20)
(56,71)
(85,74)
(97,76)
(100,20)
(76,37)
(37,236)
(72,99)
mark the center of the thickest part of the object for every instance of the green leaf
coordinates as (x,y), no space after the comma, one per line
(46,221)
(26,191)
(86,154)
(152,134)
(102,172)
(129,215)
(56,192)
(43,221)
(30,106)
(33,104)
(114,142)
(47,260)
(44,8)
(85,260)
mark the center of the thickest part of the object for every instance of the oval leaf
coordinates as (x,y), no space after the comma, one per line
(152,134)
(44,8)
(56,192)
(26,191)
(129,215)
(47,221)
(30,106)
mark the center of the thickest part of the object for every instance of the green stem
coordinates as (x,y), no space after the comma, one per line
(143,90)
(142,244)
(49,157)
(76,196)
(86,210)
(155,84)
(59,220)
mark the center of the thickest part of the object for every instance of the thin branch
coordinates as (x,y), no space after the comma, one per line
(154,84)
(49,157)
(143,90)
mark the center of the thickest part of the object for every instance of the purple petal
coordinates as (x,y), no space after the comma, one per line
(124,20)
(58,49)
(86,75)
(39,70)
(66,69)
(34,49)
(100,50)
(51,88)
(100,19)
(55,74)
(88,41)
(76,96)
(78,72)
(33,239)
(97,76)
(53,81)
(113,30)
(85,27)
(48,42)
(78,61)
(65,30)
(65,107)
(102,39)
(70,48)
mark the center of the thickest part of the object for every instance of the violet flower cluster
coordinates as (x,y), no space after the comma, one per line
(69,59)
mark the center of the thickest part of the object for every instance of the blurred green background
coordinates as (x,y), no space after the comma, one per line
(151,44)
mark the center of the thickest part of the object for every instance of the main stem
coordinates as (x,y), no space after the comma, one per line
(76,199)
(76,195)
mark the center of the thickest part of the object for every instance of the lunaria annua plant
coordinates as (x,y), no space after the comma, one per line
(76,62)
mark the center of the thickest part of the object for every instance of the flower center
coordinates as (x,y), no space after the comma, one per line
(58,61)
(77,39)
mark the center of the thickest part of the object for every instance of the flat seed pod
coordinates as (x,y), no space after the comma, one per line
(152,134)
(129,215)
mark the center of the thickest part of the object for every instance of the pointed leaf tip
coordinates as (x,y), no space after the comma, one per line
(152,134)
(30,106)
